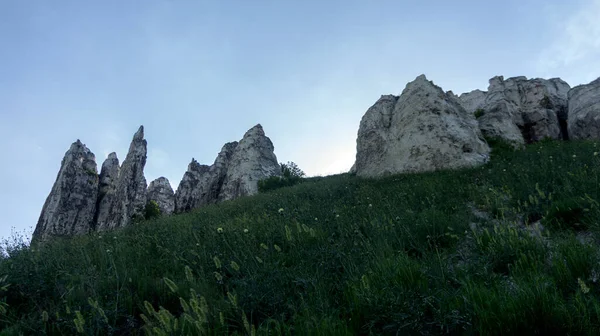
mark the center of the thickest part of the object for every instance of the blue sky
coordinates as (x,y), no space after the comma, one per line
(198,74)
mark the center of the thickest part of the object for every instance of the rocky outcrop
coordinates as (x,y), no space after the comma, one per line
(473,101)
(235,172)
(584,111)
(520,110)
(160,191)
(107,186)
(252,160)
(130,190)
(424,129)
(71,205)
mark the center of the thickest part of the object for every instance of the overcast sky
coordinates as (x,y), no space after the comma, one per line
(198,74)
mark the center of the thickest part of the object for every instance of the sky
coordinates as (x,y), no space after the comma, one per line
(198,74)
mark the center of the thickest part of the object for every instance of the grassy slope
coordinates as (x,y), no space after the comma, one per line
(341,255)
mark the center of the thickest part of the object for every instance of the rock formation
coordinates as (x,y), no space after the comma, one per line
(107,187)
(584,111)
(71,205)
(252,160)
(519,111)
(129,197)
(160,191)
(474,100)
(424,129)
(235,172)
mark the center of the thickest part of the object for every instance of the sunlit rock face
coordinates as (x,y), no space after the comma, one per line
(424,129)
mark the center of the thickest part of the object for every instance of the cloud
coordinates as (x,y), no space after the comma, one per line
(576,49)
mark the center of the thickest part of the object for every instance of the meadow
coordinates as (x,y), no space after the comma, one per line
(511,247)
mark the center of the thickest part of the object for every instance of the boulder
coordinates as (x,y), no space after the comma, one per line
(129,198)
(252,160)
(69,208)
(520,110)
(424,129)
(160,191)
(584,111)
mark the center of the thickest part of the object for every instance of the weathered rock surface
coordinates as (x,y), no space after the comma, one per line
(130,190)
(474,100)
(520,110)
(107,186)
(187,196)
(160,191)
(235,172)
(70,206)
(584,111)
(424,129)
(252,160)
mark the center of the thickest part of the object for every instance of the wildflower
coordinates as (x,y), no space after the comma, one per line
(337,216)
(595,153)
(197,244)
(245,230)
(316,219)
(107,251)
(280,210)
(99,237)
(115,237)
(220,230)
(584,288)
(370,205)
(574,155)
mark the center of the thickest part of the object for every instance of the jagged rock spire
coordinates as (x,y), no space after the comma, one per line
(71,205)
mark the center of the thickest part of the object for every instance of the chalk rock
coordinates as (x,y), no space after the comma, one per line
(252,160)
(584,111)
(424,129)
(107,186)
(160,191)
(69,208)
(520,110)
(129,198)
(473,101)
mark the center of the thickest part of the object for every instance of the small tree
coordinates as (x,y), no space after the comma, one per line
(291,170)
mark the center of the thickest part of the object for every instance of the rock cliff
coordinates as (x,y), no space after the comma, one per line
(584,111)
(71,205)
(424,129)
(160,191)
(129,198)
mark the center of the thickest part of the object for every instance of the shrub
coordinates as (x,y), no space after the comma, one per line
(479,113)
(291,174)
(152,210)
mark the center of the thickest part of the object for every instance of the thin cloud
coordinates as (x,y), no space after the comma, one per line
(576,49)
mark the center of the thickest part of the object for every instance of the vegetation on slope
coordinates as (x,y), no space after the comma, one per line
(508,248)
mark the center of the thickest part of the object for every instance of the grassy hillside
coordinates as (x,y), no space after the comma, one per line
(508,248)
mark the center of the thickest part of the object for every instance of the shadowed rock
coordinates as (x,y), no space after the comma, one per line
(130,189)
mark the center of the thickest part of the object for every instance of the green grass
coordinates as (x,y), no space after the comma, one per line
(339,255)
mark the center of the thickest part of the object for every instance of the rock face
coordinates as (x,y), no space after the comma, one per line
(473,101)
(424,129)
(161,192)
(71,205)
(252,160)
(107,187)
(519,111)
(584,111)
(235,172)
(130,189)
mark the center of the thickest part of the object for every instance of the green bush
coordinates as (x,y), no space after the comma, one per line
(291,174)
(152,210)
(479,113)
